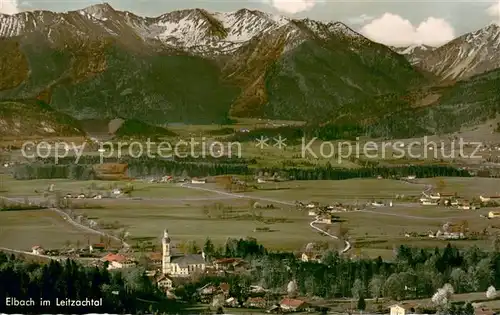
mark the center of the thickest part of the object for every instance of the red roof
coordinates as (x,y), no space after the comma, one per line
(114,257)
(292,302)
(99,245)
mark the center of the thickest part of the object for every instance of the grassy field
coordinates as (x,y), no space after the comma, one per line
(24,229)
(373,232)
(187,221)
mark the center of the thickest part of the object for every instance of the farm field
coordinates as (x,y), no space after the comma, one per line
(195,214)
(24,229)
(337,191)
(187,221)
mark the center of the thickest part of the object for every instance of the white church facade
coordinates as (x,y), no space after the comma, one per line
(179,265)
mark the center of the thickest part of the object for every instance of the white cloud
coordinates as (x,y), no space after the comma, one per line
(292,6)
(9,6)
(363,18)
(494,11)
(392,29)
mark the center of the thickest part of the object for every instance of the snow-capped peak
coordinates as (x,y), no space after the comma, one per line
(467,55)
(193,30)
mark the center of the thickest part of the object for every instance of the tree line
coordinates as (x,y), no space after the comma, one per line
(140,168)
(414,273)
(121,292)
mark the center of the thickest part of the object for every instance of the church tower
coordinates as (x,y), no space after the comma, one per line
(166,253)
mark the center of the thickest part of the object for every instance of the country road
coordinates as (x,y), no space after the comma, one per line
(28,253)
(70,220)
(347,244)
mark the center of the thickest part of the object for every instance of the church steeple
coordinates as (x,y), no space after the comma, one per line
(166,257)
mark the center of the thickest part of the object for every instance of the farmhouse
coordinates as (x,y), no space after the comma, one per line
(37,250)
(293,305)
(117,261)
(155,259)
(256,302)
(325,220)
(489,198)
(198,181)
(310,256)
(402,309)
(494,214)
(97,247)
(429,203)
(227,263)
(164,282)
(180,265)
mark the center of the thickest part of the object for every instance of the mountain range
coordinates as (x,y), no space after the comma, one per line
(195,66)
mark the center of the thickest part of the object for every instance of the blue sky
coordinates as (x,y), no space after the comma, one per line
(397,22)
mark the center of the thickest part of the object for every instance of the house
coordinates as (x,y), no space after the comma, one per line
(117,261)
(402,309)
(489,198)
(493,214)
(164,282)
(81,196)
(310,256)
(429,203)
(256,302)
(231,302)
(198,181)
(324,220)
(312,213)
(293,305)
(257,289)
(97,247)
(37,250)
(377,204)
(227,263)
(155,259)
(117,191)
(261,180)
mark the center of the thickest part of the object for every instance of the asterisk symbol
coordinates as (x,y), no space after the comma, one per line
(262,142)
(280,142)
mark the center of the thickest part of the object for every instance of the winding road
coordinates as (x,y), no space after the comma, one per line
(347,244)
(222,196)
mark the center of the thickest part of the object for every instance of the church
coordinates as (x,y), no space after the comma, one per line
(179,265)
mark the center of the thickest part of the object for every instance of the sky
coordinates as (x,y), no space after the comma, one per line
(391,22)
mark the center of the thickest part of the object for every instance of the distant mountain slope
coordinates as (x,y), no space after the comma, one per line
(35,119)
(468,55)
(414,53)
(429,110)
(194,65)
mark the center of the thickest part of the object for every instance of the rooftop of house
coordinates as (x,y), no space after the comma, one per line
(292,302)
(227,260)
(36,247)
(155,256)
(99,245)
(114,257)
